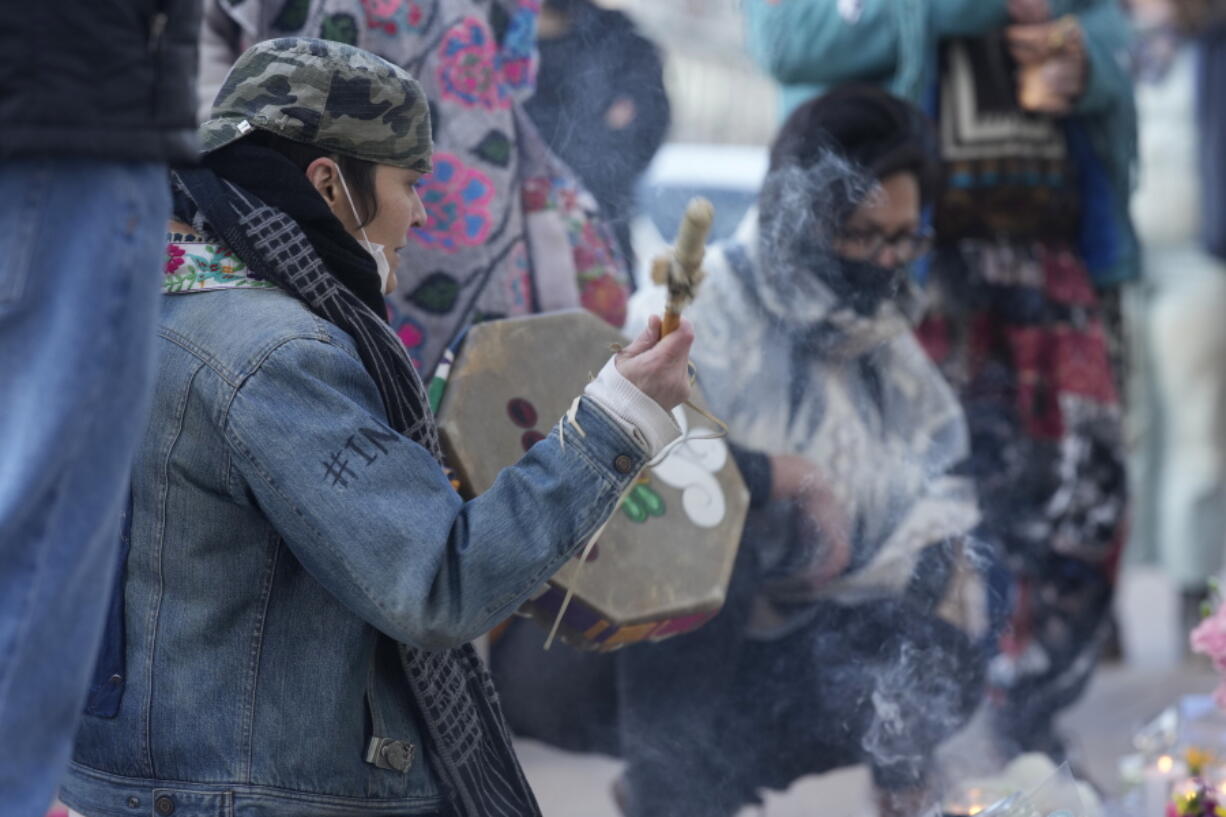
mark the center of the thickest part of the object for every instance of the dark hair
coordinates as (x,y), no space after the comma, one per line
(875,131)
(359,174)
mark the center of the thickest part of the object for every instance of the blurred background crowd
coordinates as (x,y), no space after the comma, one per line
(1073,298)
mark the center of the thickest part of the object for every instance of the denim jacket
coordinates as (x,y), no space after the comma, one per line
(281,539)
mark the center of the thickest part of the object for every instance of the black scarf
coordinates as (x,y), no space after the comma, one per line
(862,285)
(301,247)
(277,182)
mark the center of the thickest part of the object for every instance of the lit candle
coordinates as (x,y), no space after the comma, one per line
(1157,780)
(970,802)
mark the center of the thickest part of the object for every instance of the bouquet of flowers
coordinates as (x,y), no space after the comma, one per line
(1197,797)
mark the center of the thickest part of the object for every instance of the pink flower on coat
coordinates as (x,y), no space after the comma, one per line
(390,15)
(467,70)
(457,199)
(411,334)
(174,258)
(382,8)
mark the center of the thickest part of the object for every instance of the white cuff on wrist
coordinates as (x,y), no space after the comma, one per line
(641,417)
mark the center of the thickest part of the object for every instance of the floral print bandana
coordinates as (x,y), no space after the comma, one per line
(196,263)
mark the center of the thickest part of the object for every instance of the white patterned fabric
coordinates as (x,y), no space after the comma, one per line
(792,370)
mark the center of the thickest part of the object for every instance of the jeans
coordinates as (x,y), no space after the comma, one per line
(80,242)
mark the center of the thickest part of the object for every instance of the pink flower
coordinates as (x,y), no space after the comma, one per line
(174,258)
(516,61)
(382,8)
(457,199)
(1209,637)
(390,15)
(411,334)
(467,70)
(518,72)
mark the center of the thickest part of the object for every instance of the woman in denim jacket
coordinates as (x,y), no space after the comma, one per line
(300,578)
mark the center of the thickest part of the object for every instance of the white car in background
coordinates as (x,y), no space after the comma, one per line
(727,175)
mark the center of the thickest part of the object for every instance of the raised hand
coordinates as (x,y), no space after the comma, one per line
(660,368)
(1052,87)
(1038,42)
(1053,66)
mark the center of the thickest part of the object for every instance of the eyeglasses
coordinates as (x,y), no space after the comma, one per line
(870,243)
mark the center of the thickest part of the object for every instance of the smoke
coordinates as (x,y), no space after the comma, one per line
(919,697)
(923,679)
(801,210)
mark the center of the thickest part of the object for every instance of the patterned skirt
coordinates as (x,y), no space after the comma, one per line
(1029,345)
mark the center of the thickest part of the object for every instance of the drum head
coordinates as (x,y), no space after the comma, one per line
(667,553)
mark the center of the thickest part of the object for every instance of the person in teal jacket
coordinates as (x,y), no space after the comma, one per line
(809,46)
(1037,131)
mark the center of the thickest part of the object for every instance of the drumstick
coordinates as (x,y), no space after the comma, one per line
(682,272)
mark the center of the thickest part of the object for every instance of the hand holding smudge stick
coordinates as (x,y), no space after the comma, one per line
(682,272)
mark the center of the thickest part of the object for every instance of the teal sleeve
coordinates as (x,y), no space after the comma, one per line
(814,42)
(968,18)
(824,42)
(1108,38)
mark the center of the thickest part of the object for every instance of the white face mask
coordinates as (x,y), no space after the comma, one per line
(376,250)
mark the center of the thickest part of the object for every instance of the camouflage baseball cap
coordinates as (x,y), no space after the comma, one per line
(327,94)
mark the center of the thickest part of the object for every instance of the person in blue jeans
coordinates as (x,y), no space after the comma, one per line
(96,102)
(301,580)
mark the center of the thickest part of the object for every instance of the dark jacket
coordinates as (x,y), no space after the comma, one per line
(602,58)
(112,80)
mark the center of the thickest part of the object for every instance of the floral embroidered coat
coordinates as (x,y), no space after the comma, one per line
(510,230)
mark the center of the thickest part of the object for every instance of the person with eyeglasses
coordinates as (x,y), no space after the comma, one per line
(1036,252)
(906,246)
(848,634)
